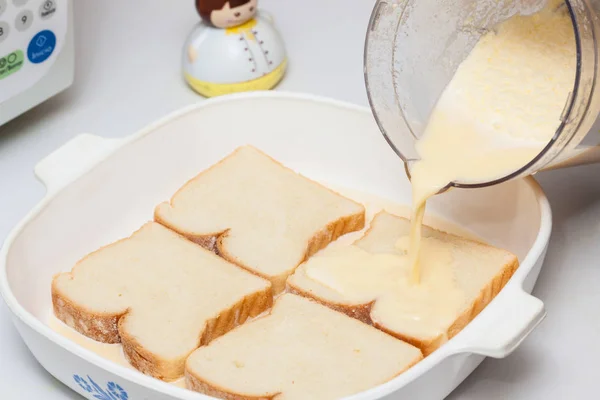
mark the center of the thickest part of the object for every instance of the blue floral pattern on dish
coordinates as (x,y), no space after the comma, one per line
(113,390)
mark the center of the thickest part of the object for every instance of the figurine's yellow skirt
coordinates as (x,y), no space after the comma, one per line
(210,89)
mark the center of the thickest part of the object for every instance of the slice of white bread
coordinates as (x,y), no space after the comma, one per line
(158,294)
(301,350)
(369,280)
(260,215)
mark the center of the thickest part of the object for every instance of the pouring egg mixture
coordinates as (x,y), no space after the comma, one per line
(499,111)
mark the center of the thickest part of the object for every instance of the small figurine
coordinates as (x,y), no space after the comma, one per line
(235,48)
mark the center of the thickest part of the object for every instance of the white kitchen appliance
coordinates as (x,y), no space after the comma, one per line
(36,53)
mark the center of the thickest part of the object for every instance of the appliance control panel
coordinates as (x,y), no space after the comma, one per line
(32,35)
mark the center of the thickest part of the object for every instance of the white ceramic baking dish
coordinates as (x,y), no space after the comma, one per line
(99,190)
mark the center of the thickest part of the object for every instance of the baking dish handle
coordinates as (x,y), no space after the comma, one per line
(501,327)
(73,159)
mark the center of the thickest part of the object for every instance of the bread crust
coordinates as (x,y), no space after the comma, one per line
(362,312)
(320,239)
(110,328)
(197,384)
(102,327)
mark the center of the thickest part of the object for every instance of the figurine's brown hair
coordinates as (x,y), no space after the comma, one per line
(206,7)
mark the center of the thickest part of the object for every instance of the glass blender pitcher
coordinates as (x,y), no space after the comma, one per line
(414,47)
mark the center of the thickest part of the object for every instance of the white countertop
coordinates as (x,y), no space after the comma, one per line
(128,75)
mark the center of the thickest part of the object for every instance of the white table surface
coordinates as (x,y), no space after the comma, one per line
(127,76)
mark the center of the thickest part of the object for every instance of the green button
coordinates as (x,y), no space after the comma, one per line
(11,63)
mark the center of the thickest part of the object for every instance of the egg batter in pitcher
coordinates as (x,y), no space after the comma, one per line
(500,109)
